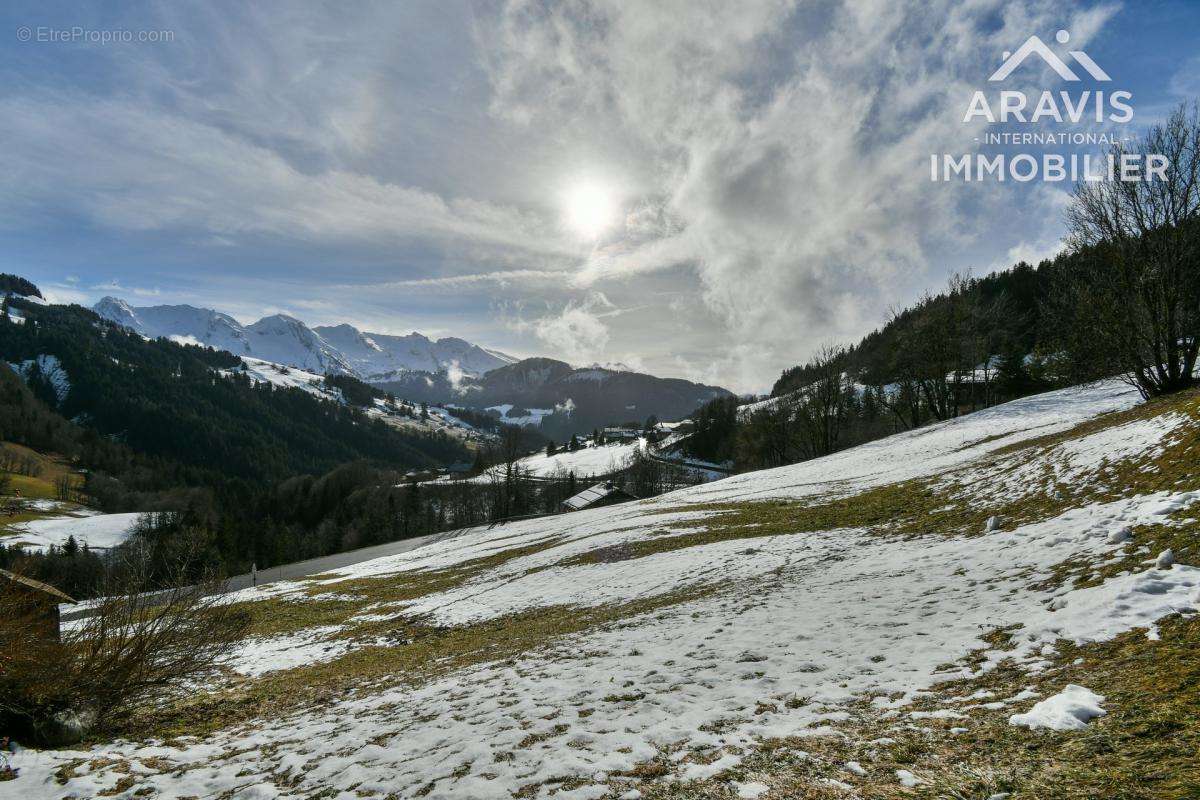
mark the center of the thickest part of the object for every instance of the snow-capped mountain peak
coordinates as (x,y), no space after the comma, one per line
(117,310)
(284,339)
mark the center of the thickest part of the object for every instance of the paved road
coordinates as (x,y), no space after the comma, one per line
(313,566)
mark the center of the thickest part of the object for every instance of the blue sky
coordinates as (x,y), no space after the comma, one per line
(702,190)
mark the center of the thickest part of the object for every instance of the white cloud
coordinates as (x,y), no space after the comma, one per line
(770,155)
(455,283)
(791,145)
(579,332)
(455,374)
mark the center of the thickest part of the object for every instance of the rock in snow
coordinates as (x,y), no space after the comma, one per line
(1121,535)
(1165,559)
(1068,710)
(752,790)
(992,524)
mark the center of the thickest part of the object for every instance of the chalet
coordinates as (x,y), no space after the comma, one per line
(622,434)
(25,596)
(598,496)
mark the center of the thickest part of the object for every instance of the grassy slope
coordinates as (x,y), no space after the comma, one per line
(40,487)
(1143,749)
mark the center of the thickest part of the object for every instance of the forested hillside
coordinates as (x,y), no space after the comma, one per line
(572,400)
(244,473)
(1000,314)
(191,405)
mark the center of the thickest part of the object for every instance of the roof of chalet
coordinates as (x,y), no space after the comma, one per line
(592,495)
(36,585)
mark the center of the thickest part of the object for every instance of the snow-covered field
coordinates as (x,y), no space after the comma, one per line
(94,530)
(704,646)
(596,460)
(590,460)
(534,417)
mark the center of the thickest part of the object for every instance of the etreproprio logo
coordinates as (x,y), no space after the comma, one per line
(1048,109)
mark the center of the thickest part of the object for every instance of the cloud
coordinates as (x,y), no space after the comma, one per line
(791,144)
(113,286)
(1185,82)
(189,176)
(770,156)
(64,294)
(455,283)
(578,333)
(455,374)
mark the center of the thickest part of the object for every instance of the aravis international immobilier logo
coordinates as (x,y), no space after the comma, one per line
(1062,124)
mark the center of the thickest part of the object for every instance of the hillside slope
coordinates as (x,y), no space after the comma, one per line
(191,405)
(573,400)
(890,621)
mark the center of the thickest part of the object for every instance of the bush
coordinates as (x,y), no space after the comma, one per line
(133,647)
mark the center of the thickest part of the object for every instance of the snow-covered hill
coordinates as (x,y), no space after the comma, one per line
(325,349)
(891,621)
(590,459)
(593,460)
(399,413)
(89,528)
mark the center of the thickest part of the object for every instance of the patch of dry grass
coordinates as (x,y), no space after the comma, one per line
(1144,748)
(935,505)
(416,652)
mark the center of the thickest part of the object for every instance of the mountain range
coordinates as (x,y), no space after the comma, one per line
(575,400)
(419,369)
(283,339)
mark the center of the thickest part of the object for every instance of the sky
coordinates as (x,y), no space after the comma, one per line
(707,190)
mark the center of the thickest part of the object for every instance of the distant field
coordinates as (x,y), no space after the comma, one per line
(40,487)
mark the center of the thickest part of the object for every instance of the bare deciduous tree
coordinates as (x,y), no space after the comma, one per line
(1131,303)
(822,411)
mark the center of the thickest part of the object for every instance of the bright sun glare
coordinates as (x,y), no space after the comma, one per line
(590,209)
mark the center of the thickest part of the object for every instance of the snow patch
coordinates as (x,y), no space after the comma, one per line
(96,531)
(1069,710)
(51,368)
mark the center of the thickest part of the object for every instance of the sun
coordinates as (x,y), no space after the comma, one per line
(590,208)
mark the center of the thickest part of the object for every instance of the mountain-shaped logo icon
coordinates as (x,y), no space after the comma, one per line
(1034,45)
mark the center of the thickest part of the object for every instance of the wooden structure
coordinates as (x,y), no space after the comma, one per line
(34,599)
(602,494)
(621,434)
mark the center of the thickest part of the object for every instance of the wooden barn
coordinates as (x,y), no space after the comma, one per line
(39,601)
(602,494)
